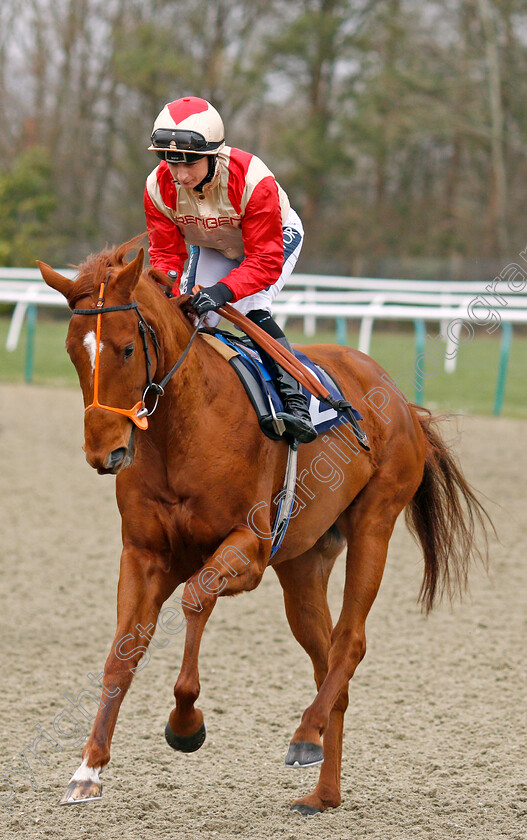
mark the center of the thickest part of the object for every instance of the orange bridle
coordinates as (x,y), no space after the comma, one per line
(137,414)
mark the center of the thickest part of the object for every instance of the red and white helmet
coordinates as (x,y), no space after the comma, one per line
(186,129)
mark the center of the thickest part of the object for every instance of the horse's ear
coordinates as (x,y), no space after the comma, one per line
(126,280)
(54,279)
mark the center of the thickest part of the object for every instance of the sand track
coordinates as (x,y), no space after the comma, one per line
(435,733)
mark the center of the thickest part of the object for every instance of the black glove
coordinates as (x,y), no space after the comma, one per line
(212,298)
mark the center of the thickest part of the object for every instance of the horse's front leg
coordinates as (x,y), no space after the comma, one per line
(237,566)
(144,584)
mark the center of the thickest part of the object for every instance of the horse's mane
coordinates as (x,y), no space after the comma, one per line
(95,268)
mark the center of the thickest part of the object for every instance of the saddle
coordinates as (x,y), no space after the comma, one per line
(244,358)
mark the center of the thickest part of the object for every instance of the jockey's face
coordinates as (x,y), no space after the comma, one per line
(189,175)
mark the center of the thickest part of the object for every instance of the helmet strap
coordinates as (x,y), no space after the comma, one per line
(210,174)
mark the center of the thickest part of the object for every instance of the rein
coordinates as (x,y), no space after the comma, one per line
(139,413)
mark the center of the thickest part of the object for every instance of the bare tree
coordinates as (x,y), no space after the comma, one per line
(498,203)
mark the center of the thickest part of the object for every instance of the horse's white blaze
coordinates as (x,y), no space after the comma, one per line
(90,343)
(85,773)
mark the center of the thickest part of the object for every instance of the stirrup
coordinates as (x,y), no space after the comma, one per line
(298,427)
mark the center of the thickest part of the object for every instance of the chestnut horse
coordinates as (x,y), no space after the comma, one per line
(195,491)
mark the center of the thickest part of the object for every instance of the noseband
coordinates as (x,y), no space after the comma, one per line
(139,413)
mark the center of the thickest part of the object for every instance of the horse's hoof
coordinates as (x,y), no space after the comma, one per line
(304,754)
(186,743)
(305,810)
(82,791)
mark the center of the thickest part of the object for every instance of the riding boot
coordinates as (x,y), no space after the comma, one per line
(295,415)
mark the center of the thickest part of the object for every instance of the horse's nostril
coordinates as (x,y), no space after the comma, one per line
(115,458)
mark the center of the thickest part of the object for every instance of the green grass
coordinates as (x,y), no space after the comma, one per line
(52,365)
(471,389)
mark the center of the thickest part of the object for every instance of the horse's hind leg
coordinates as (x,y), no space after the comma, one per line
(304,581)
(367,524)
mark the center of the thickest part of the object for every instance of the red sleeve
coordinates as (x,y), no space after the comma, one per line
(263,242)
(167,249)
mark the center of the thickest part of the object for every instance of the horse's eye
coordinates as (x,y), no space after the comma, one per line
(128,350)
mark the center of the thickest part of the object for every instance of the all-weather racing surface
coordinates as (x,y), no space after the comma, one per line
(435,731)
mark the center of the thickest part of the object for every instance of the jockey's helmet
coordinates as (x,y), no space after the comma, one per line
(186,129)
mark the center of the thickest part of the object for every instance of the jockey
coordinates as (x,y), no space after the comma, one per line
(243,235)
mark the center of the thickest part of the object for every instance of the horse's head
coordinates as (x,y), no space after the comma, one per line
(108,347)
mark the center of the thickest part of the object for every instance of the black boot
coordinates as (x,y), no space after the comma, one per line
(295,415)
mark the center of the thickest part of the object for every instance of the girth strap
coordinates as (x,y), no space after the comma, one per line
(287,498)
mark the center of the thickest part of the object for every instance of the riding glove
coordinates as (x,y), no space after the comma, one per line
(212,298)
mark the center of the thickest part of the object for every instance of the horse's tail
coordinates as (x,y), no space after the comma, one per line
(444,516)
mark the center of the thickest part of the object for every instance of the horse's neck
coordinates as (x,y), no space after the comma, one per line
(185,396)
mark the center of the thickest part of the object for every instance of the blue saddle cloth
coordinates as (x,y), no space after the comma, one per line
(323,416)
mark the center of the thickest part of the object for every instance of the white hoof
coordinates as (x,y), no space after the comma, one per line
(84,786)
